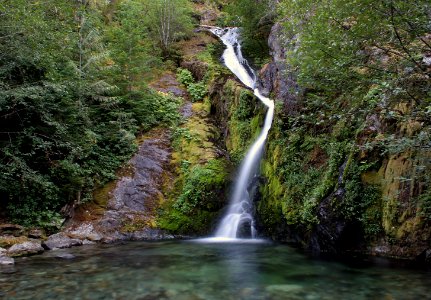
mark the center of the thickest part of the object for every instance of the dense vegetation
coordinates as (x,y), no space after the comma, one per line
(356,142)
(73,95)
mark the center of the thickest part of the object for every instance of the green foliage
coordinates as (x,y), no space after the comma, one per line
(72,99)
(170,21)
(199,201)
(197,91)
(361,202)
(245,107)
(364,86)
(203,185)
(342,49)
(185,77)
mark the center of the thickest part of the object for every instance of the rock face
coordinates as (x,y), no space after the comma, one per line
(278,79)
(131,203)
(26,248)
(125,209)
(379,204)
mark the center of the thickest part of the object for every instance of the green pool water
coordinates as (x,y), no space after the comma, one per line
(203,270)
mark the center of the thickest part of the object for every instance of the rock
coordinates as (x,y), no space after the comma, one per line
(88,242)
(36,234)
(84,231)
(9,240)
(150,234)
(65,256)
(26,248)
(290,291)
(11,229)
(196,67)
(60,240)
(6,260)
(278,77)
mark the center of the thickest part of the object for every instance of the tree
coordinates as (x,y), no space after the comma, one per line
(172,21)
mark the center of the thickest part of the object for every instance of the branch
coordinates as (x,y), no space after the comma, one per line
(400,39)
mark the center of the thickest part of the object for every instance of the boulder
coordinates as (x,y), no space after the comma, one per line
(84,231)
(36,234)
(65,256)
(6,260)
(59,240)
(11,229)
(26,248)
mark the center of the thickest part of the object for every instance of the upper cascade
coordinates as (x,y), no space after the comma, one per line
(239,219)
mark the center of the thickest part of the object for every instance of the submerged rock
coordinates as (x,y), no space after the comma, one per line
(150,234)
(65,256)
(26,248)
(6,260)
(60,240)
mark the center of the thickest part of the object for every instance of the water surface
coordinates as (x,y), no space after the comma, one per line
(203,270)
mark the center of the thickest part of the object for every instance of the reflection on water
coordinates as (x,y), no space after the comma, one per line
(203,270)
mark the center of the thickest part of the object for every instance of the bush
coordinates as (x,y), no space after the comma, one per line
(185,77)
(197,90)
(202,188)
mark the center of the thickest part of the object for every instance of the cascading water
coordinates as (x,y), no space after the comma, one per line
(239,210)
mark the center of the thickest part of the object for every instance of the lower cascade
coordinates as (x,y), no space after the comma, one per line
(239,218)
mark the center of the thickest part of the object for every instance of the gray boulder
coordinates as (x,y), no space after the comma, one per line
(59,240)
(26,248)
(6,260)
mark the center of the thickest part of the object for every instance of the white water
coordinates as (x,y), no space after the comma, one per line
(239,210)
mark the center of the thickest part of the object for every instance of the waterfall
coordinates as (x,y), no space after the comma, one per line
(239,210)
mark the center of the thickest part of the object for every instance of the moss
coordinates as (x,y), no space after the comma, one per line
(194,207)
(195,196)
(7,241)
(137,223)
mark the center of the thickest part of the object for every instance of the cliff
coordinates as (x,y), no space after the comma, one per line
(340,176)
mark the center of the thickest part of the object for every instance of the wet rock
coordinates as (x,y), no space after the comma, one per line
(283,291)
(65,256)
(60,240)
(6,260)
(150,234)
(26,248)
(333,233)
